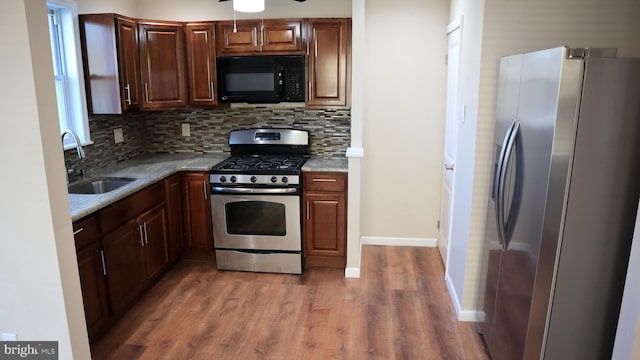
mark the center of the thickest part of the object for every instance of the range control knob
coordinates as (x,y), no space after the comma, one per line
(274,179)
(223,179)
(285,179)
(233,179)
(254,179)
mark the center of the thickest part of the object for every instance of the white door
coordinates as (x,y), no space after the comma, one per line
(450,139)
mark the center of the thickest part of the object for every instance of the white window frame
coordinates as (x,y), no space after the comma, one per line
(73,83)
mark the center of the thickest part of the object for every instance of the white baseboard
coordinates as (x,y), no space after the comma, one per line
(463,315)
(352,272)
(471,316)
(398,241)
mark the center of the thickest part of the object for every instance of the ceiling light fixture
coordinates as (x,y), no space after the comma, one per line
(251,6)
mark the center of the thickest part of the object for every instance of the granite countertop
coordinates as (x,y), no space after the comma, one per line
(326,164)
(148,169)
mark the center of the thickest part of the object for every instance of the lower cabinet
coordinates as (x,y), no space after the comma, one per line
(173,196)
(136,252)
(125,276)
(92,275)
(197,212)
(325,219)
(125,247)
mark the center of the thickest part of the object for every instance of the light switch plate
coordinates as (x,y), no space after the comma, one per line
(186,129)
(118,136)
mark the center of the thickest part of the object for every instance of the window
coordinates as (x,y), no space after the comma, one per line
(67,69)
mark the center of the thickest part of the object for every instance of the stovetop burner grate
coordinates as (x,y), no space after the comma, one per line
(260,163)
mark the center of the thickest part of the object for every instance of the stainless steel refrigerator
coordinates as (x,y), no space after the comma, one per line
(562,205)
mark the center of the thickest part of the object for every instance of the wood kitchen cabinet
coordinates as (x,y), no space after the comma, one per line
(274,36)
(325,218)
(173,196)
(92,275)
(201,63)
(135,244)
(197,212)
(110,54)
(329,63)
(162,65)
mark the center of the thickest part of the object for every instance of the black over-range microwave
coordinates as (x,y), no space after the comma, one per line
(261,79)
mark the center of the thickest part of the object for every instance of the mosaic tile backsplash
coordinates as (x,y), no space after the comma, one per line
(329,130)
(160,132)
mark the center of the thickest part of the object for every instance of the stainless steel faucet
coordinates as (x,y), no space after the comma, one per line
(79,149)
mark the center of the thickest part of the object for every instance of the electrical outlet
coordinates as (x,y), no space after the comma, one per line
(186,129)
(8,337)
(118,136)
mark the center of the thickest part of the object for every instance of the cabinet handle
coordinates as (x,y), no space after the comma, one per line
(104,266)
(141,235)
(204,188)
(213,94)
(261,36)
(127,88)
(308,210)
(309,95)
(324,180)
(78,231)
(146,92)
(146,236)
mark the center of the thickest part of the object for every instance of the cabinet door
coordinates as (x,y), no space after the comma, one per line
(282,36)
(124,262)
(156,252)
(128,60)
(173,195)
(201,61)
(328,63)
(325,228)
(94,292)
(162,65)
(244,40)
(197,211)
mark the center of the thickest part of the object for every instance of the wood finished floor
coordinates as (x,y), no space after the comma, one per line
(398,309)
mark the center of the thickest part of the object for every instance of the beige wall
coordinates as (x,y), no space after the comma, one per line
(41,298)
(188,10)
(122,7)
(404,108)
(200,10)
(511,27)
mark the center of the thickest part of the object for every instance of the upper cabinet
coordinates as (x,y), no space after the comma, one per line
(201,63)
(110,55)
(162,65)
(273,36)
(151,65)
(329,63)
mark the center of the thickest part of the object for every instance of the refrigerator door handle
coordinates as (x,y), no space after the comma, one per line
(497,180)
(502,226)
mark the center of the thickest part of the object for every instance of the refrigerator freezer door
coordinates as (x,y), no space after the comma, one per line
(540,83)
(508,89)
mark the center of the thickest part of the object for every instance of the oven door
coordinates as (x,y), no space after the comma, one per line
(256,221)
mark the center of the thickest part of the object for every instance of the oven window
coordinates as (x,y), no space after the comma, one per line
(256,218)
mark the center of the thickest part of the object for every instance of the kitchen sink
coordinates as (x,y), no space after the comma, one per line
(99,185)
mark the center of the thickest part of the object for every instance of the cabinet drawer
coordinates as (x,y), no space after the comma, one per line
(130,207)
(325,181)
(86,231)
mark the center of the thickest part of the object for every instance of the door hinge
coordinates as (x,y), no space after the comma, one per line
(446,59)
(438,225)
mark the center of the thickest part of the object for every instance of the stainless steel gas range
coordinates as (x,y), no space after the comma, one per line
(255,201)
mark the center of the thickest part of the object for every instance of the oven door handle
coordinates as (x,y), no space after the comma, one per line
(238,190)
